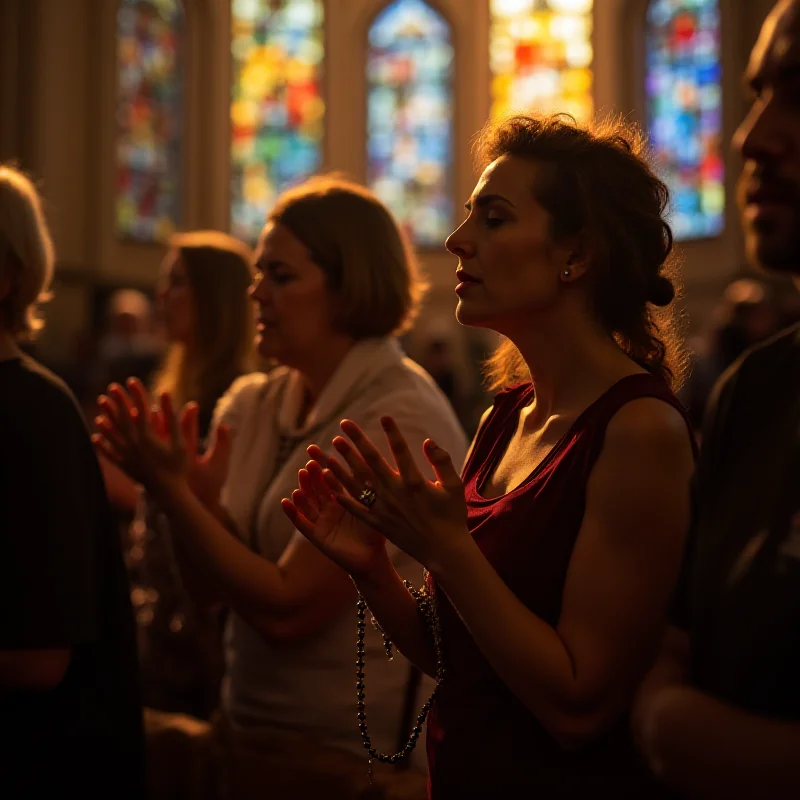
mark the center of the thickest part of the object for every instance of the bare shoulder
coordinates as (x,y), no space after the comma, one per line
(643,473)
(648,422)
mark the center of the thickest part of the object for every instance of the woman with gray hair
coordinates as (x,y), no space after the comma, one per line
(68,683)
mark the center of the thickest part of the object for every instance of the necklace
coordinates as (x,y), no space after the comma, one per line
(428,610)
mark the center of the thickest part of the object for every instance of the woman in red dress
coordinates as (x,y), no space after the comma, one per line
(551,558)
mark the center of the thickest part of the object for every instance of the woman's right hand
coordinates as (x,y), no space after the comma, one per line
(313,510)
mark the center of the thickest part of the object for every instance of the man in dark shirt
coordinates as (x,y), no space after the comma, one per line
(70,716)
(719,716)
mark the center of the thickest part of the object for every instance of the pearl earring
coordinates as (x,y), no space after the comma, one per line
(567,273)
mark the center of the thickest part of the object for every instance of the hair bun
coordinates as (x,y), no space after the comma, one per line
(662,291)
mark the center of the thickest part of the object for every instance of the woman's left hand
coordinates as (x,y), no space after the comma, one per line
(426,519)
(146,442)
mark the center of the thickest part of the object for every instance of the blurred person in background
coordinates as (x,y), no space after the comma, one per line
(209,325)
(130,345)
(336,283)
(69,693)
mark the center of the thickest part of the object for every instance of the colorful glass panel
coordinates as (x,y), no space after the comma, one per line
(277,109)
(684,111)
(409,118)
(149,109)
(541,57)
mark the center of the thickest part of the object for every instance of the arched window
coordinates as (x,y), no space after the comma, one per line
(149,111)
(277,110)
(409,117)
(684,111)
(541,57)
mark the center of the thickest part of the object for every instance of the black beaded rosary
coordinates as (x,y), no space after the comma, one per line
(427,606)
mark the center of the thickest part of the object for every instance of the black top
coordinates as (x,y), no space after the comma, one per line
(739,595)
(62,585)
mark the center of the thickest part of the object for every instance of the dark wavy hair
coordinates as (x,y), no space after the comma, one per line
(597,183)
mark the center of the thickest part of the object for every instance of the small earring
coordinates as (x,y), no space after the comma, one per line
(566,273)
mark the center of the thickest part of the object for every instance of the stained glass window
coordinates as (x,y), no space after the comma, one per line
(684,111)
(541,57)
(277,110)
(149,109)
(409,117)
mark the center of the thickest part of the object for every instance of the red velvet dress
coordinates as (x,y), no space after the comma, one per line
(482,741)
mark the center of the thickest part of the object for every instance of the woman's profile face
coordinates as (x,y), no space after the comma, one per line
(509,268)
(294,306)
(176,300)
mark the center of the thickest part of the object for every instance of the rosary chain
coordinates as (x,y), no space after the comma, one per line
(428,609)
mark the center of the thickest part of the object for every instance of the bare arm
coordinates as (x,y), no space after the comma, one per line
(578,678)
(33,670)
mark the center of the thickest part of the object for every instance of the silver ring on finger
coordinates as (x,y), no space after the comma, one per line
(368,496)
